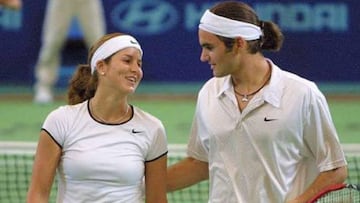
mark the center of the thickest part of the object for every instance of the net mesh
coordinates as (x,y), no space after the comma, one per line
(16,161)
(345,195)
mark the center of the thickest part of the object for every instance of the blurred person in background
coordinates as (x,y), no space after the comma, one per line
(58,18)
(260,134)
(104,149)
(12,4)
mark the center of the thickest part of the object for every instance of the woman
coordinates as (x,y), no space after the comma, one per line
(103,147)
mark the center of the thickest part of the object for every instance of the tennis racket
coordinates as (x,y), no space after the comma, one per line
(338,193)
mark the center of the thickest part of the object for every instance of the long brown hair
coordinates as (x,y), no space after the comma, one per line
(272,38)
(83,84)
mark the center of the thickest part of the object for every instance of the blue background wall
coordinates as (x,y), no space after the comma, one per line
(321,38)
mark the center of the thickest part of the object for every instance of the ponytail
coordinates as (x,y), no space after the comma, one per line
(272,38)
(82,85)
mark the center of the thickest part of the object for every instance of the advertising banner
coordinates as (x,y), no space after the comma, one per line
(321,38)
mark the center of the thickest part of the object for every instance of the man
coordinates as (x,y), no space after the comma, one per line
(58,17)
(260,134)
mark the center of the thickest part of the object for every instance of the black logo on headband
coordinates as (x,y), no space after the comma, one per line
(133,42)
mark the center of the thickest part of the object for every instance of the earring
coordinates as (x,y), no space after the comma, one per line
(102,73)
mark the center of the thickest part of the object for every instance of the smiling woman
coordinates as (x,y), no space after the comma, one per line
(100,127)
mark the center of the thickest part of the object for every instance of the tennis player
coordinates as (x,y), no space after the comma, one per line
(260,134)
(103,148)
(58,17)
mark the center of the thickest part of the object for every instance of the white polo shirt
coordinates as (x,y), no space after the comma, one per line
(103,162)
(272,150)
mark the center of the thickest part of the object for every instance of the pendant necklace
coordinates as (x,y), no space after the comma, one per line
(104,120)
(245,97)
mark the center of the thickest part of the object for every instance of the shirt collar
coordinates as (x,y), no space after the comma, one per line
(272,92)
(227,86)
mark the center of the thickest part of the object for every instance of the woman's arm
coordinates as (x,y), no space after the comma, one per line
(323,180)
(155,180)
(46,161)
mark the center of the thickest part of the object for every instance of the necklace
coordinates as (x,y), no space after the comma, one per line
(104,120)
(245,97)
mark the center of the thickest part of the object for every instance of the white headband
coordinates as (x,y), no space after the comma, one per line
(228,28)
(111,46)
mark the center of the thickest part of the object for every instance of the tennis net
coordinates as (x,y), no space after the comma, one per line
(16,160)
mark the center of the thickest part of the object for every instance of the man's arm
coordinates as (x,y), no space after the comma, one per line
(323,180)
(186,173)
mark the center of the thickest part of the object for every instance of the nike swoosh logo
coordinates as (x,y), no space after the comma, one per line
(135,131)
(269,119)
(133,42)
